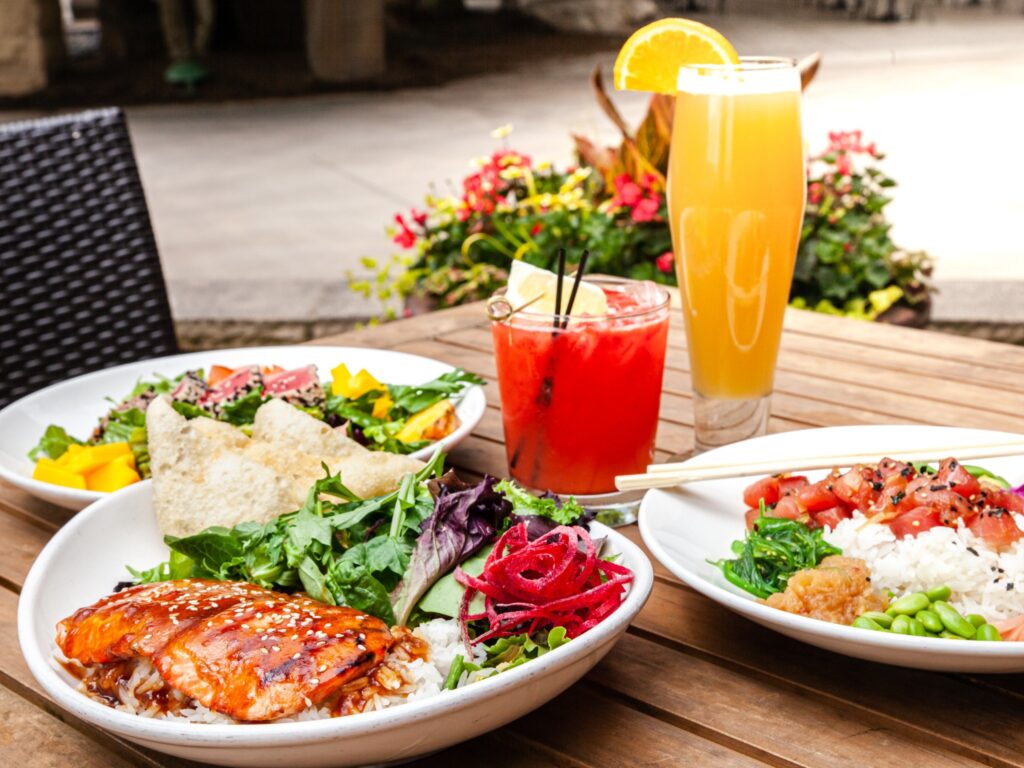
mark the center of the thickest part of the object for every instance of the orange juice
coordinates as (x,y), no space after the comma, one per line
(736,200)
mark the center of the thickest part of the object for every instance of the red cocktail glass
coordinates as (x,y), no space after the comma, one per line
(580,403)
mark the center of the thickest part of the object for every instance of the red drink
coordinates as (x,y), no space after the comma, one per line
(580,405)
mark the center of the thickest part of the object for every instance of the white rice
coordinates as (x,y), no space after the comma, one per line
(984,580)
(413,679)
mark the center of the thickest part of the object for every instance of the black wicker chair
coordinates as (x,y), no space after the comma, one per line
(80,280)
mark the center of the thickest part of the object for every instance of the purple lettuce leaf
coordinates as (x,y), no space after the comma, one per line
(466,516)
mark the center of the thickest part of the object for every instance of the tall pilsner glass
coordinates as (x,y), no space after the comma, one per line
(736,191)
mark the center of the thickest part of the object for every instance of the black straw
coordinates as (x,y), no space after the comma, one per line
(558,287)
(575,286)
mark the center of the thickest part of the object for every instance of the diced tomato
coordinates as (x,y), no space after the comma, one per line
(817,497)
(217,374)
(767,488)
(854,490)
(917,520)
(959,480)
(830,517)
(995,527)
(790,485)
(787,507)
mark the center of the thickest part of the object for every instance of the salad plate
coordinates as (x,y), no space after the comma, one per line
(87,557)
(77,404)
(690,529)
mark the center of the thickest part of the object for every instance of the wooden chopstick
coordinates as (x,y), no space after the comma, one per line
(677,473)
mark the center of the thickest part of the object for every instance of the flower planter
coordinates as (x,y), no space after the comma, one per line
(916,316)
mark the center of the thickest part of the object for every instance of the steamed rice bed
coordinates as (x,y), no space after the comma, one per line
(983,580)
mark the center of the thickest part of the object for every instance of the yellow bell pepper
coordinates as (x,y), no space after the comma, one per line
(433,423)
(339,380)
(49,471)
(94,456)
(113,475)
(362,383)
(382,406)
(345,384)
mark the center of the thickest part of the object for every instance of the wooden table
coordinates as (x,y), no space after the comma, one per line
(690,683)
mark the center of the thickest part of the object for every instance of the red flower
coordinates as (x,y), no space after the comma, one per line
(843,164)
(648,181)
(814,192)
(419,217)
(627,192)
(665,262)
(535,229)
(647,209)
(404,237)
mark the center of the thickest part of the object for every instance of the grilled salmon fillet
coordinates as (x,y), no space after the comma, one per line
(141,620)
(243,651)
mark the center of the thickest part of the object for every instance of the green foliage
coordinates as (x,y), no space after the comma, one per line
(847,263)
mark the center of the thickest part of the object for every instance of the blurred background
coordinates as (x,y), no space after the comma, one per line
(277,140)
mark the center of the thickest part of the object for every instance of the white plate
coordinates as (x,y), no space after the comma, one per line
(86,558)
(77,404)
(687,526)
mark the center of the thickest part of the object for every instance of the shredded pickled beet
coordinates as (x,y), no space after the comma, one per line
(555,581)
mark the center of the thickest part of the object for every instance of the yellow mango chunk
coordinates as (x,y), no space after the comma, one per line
(339,380)
(71,451)
(113,475)
(433,423)
(49,471)
(93,456)
(382,405)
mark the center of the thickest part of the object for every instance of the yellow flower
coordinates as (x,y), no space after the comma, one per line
(502,132)
(511,173)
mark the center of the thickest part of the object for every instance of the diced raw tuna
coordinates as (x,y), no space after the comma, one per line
(298,387)
(234,387)
(191,389)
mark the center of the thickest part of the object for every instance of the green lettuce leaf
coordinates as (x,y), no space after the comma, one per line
(53,444)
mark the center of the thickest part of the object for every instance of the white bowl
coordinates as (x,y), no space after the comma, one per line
(77,404)
(687,526)
(86,558)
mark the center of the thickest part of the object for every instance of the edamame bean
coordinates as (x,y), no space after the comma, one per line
(976,619)
(952,620)
(910,604)
(901,625)
(987,632)
(939,593)
(930,620)
(916,627)
(949,635)
(864,623)
(883,620)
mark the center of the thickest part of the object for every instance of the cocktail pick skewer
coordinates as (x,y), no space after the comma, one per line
(575,286)
(558,287)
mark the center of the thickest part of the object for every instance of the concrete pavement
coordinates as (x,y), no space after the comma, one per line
(260,208)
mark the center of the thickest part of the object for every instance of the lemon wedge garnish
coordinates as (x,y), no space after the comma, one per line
(528,283)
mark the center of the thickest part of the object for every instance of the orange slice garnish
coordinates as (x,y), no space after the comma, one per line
(650,59)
